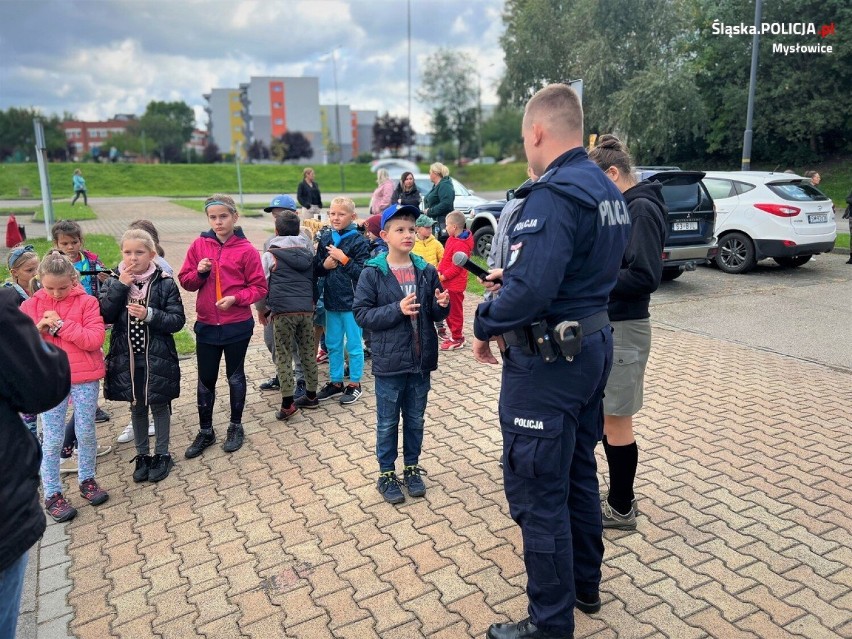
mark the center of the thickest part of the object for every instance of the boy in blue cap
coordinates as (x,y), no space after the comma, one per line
(398,298)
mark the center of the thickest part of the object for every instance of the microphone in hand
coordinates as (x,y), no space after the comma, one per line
(460,259)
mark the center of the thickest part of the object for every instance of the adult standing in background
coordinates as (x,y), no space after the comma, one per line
(382,195)
(35,377)
(406,191)
(565,252)
(814,177)
(639,276)
(309,196)
(440,200)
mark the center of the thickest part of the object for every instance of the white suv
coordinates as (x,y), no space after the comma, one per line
(761,214)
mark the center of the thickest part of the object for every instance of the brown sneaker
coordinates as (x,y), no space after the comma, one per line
(93,493)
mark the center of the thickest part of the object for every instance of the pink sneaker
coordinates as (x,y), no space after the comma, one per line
(322,356)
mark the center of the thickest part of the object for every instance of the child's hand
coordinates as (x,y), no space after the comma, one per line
(125,277)
(329,263)
(51,316)
(226,302)
(336,253)
(103,277)
(443,298)
(205,265)
(137,311)
(409,305)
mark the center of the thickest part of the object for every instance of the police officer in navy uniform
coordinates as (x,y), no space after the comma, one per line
(551,323)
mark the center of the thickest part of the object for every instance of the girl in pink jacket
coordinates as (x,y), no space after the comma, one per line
(224,267)
(71,320)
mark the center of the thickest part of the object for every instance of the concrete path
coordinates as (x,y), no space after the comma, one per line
(744,487)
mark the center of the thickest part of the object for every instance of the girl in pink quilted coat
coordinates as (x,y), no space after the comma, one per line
(70,319)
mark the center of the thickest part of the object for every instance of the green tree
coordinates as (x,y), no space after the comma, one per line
(449,85)
(502,132)
(169,126)
(634,59)
(800,113)
(17,135)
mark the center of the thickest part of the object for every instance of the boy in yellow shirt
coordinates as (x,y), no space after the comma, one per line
(425,244)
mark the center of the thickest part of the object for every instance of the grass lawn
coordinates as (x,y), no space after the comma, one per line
(185,341)
(198,205)
(473,285)
(842,241)
(180,180)
(104,246)
(61,211)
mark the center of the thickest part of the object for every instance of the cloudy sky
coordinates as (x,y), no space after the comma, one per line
(95,58)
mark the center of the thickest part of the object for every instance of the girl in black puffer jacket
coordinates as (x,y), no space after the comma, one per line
(142,367)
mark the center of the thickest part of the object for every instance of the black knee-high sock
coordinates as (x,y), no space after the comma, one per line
(622,461)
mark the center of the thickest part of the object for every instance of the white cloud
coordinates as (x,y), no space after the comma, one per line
(113,57)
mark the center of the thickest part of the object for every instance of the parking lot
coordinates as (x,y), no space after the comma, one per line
(799,312)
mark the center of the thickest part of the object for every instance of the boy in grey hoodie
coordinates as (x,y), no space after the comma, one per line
(288,266)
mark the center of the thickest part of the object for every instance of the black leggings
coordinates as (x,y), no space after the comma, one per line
(208,357)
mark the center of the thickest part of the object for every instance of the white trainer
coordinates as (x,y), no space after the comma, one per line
(127,434)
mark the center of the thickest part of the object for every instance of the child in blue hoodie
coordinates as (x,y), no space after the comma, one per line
(341,254)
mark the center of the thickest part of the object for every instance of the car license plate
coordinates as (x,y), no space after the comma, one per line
(817,219)
(684,226)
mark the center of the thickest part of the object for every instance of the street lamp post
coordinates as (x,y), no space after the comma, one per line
(755,47)
(337,119)
(479,116)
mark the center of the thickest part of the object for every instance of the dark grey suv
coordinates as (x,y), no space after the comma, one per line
(691,220)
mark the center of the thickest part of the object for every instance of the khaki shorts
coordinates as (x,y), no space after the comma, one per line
(631,346)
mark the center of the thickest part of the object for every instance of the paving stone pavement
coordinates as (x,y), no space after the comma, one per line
(744,486)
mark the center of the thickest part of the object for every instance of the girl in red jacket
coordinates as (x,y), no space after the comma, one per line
(71,320)
(225,269)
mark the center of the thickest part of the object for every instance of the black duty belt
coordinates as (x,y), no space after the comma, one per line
(529,338)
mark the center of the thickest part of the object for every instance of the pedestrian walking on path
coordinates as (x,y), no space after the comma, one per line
(79,183)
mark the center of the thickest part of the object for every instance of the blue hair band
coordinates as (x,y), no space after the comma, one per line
(217,202)
(16,253)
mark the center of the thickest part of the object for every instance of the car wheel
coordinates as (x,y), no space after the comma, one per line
(736,253)
(482,242)
(793,262)
(670,274)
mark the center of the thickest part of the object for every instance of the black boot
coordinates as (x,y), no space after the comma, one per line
(525,629)
(234,440)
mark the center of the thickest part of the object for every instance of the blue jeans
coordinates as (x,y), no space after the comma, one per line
(11,583)
(400,394)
